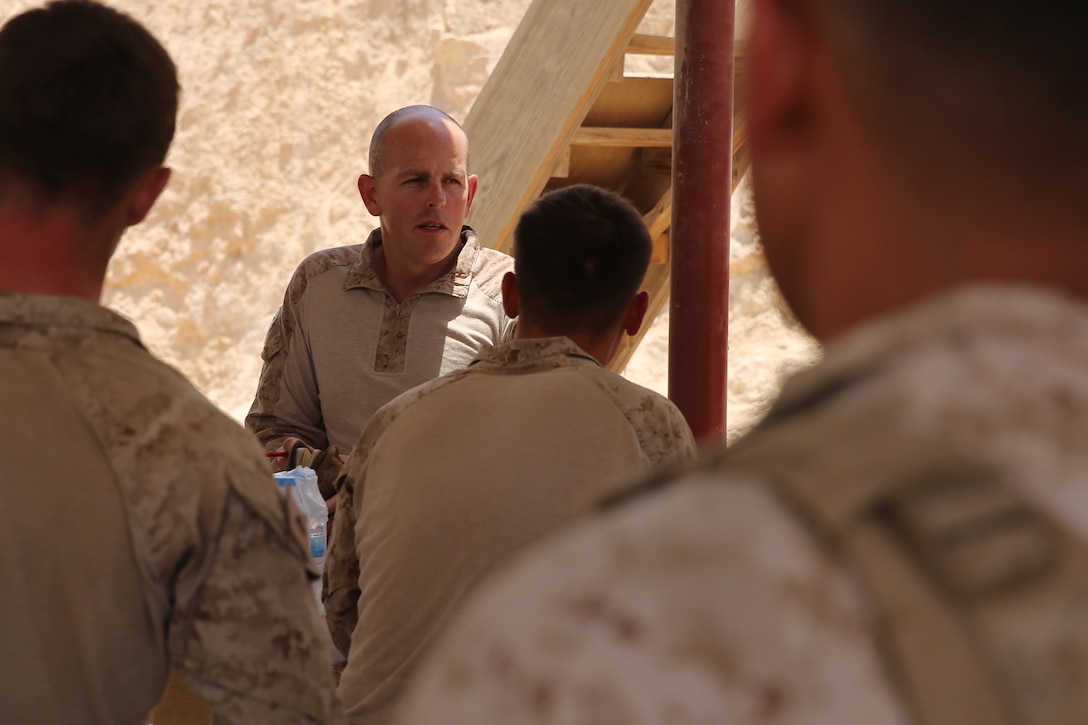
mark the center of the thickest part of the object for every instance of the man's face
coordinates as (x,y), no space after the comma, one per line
(780,143)
(423,194)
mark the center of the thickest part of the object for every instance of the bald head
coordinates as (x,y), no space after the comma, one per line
(379,146)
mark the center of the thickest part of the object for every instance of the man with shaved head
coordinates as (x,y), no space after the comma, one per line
(361,324)
(903,538)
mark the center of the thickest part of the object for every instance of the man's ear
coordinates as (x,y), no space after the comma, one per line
(636,313)
(777,89)
(473,182)
(147,189)
(368,190)
(510,302)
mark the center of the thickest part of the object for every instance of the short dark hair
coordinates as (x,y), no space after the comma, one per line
(88,101)
(378,151)
(1001,80)
(580,254)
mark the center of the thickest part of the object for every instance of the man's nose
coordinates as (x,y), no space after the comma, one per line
(436,196)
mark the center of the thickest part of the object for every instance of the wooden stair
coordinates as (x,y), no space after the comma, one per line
(558,110)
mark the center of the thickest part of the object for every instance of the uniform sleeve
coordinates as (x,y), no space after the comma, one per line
(340,587)
(685,449)
(340,590)
(683,442)
(287,403)
(713,608)
(664,434)
(246,634)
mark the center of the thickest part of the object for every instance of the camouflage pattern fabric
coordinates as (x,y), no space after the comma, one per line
(340,332)
(147,534)
(711,597)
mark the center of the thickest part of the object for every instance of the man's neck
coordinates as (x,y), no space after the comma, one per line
(402,283)
(52,253)
(600,347)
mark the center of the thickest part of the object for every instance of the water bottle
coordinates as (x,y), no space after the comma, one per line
(300,483)
(318,541)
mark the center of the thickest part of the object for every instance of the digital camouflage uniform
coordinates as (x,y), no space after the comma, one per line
(142,530)
(945,446)
(454,477)
(341,346)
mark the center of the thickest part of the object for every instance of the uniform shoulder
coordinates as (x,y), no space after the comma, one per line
(384,418)
(632,389)
(662,432)
(491,266)
(338,260)
(146,410)
(386,415)
(177,458)
(719,563)
(324,259)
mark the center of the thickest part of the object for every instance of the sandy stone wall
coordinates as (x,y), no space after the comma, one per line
(279,100)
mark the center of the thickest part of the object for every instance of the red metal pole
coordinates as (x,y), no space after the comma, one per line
(701,192)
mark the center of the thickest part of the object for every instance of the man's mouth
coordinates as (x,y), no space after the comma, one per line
(433,226)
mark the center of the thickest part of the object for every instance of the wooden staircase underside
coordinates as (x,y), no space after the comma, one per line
(558,110)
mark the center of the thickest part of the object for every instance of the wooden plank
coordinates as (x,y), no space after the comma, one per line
(622,137)
(740,135)
(619,66)
(656,45)
(542,87)
(637,101)
(562,165)
(657,284)
(660,254)
(657,219)
(642,44)
(657,276)
(603,167)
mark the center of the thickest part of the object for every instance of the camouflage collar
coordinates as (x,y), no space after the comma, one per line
(529,355)
(48,311)
(958,318)
(455,283)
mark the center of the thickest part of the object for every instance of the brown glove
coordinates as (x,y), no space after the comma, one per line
(325,463)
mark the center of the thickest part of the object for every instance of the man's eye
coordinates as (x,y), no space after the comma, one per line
(453,180)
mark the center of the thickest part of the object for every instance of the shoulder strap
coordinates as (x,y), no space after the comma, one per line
(954,561)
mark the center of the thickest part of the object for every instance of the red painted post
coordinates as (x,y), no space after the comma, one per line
(701,194)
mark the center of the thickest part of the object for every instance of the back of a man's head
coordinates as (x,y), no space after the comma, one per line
(993,84)
(902,148)
(88,100)
(580,254)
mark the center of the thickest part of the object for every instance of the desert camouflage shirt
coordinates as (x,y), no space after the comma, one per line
(452,478)
(712,601)
(341,346)
(142,530)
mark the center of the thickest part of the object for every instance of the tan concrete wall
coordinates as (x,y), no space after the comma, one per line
(279,100)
